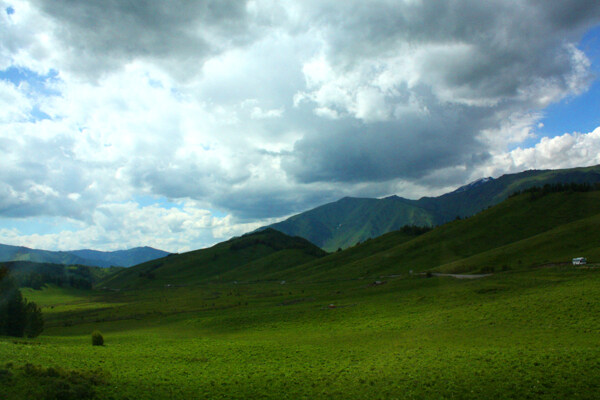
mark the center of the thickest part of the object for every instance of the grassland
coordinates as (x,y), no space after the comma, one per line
(526,334)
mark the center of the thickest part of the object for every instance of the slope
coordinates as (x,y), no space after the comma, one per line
(352,220)
(522,231)
(244,258)
(470,199)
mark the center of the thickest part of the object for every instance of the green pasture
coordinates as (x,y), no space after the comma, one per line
(527,334)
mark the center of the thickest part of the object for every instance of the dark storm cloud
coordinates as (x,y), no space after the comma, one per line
(409,148)
(257,203)
(102,35)
(476,65)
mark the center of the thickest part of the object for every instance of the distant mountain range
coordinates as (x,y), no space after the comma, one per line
(351,220)
(105,259)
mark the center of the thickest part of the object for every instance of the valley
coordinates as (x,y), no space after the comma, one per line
(266,315)
(303,200)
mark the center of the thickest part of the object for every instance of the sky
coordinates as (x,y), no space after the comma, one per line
(180,124)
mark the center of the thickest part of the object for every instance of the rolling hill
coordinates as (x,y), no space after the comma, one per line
(523,231)
(247,258)
(351,220)
(105,259)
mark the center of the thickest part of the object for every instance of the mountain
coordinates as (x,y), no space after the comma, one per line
(244,258)
(524,231)
(122,258)
(351,220)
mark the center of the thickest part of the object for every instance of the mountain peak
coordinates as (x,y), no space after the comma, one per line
(474,184)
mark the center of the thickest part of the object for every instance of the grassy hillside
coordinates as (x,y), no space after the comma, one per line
(527,334)
(469,200)
(245,258)
(520,232)
(352,220)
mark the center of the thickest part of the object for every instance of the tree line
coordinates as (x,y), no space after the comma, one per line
(18,317)
(37,275)
(540,191)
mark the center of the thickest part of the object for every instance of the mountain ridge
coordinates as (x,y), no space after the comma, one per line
(92,258)
(351,220)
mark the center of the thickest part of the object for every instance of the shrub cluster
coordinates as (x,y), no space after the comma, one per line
(415,230)
(97,339)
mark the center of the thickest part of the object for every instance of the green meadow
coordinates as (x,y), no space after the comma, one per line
(527,334)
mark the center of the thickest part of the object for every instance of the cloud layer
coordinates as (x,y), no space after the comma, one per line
(242,112)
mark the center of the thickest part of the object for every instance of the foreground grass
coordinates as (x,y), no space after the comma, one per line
(530,334)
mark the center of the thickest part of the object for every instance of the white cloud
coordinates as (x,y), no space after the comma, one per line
(262,109)
(14,104)
(566,151)
(125,225)
(569,150)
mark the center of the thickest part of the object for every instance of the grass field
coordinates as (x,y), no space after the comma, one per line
(527,334)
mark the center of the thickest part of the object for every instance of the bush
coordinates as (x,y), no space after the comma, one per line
(97,339)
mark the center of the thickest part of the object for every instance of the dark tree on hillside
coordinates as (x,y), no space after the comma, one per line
(17,316)
(35,320)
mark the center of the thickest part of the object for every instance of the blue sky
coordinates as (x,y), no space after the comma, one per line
(578,113)
(125,125)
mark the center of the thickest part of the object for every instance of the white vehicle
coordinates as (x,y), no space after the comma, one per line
(579,261)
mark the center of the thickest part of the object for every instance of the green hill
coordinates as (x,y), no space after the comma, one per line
(522,231)
(248,258)
(352,220)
